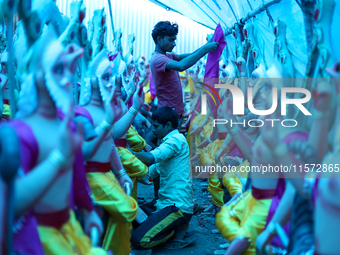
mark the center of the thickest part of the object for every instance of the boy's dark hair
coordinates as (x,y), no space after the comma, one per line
(164,114)
(164,28)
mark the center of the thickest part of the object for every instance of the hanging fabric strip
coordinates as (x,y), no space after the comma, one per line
(211,76)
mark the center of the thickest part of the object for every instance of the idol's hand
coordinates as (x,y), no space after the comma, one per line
(196,130)
(144,121)
(118,83)
(334,72)
(147,148)
(270,134)
(226,111)
(263,242)
(91,219)
(241,64)
(138,101)
(125,178)
(113,108)
(147,70)
(70,142)
(147,106)
(322,96)
(131,87)
(219,154)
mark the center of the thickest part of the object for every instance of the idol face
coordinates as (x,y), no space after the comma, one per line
(3,68)
(125,77)
(4,85)
(141,66)
(65,66)
(131,65)
(106,79)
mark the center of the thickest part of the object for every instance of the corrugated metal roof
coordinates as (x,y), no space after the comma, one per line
(139,17)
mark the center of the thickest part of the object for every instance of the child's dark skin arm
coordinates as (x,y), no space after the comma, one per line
(150,138)
(146,157)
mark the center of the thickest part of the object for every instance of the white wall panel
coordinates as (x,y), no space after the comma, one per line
(139,17)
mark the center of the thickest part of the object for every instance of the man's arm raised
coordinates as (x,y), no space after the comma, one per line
(183,56)
(188,60)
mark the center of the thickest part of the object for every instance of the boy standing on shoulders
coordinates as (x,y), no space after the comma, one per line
(169,216)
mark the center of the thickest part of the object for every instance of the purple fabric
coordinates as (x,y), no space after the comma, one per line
(26,238)
(130,102)
(211,76)
(167,82)
(193,113)
(112,57)
(234,151)
(280,188)
(152,87)
(81,189)
(295,136)
(315,190)
(80,194)
(81,111)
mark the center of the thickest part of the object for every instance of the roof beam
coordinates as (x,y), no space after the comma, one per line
(171,9)
(252,14)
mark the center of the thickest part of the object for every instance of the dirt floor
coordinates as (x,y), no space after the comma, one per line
(207,241)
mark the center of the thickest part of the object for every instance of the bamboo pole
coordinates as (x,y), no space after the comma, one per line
(252,14)
(111,16)
(10,64)
(12,85)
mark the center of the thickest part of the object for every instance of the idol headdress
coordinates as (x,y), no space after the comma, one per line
(3,42)
(202,69)
(118,41)
(99,29)
(49,13)
(44,54)
(97,67)
(260,42)
(34,14)
(230,51)
(74,28)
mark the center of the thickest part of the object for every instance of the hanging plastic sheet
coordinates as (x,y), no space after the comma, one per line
(335,31)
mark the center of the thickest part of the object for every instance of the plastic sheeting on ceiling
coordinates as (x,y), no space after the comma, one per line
(139,17)
(212,12)
(227,12)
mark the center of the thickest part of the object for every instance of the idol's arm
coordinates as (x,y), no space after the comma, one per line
(90,148)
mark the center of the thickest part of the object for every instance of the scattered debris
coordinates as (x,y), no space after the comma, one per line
(203,223)
(225,245)
(220,252)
